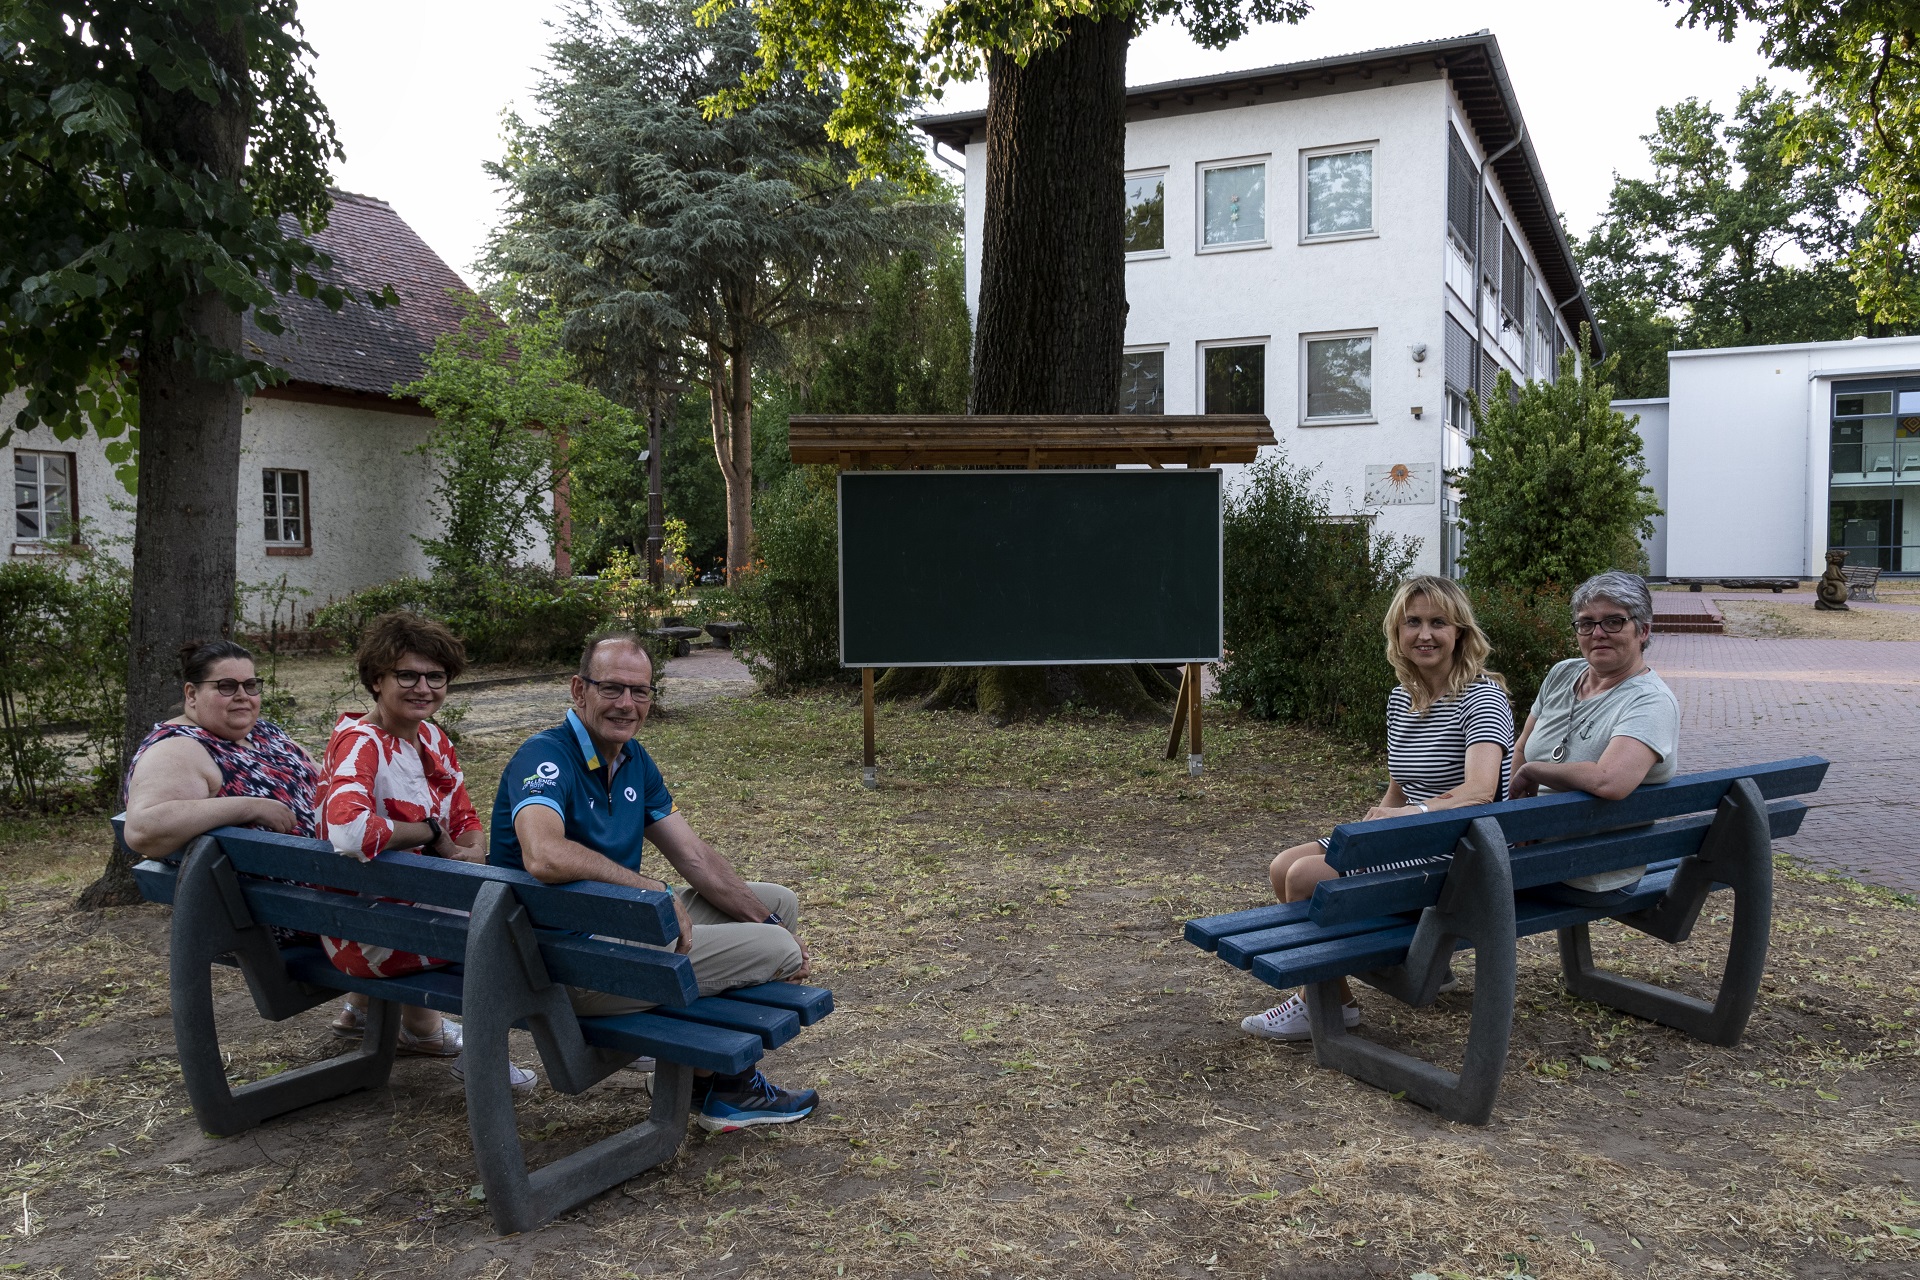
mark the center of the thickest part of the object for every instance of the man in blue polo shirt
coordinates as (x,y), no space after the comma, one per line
(576,803)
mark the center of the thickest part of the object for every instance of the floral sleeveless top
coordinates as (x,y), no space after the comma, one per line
(269,764)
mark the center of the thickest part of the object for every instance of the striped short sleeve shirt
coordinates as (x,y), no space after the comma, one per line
(1427,754)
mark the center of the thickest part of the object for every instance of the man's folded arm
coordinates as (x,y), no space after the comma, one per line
(551,858)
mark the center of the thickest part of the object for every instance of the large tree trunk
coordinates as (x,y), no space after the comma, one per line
(732,376)
(186,519)
(1053,312)
(1053,284)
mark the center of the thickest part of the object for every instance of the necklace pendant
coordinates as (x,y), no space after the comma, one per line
(1559,753)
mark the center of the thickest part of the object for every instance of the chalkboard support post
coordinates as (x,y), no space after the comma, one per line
(1192,685)
(1179,717)
(869,777)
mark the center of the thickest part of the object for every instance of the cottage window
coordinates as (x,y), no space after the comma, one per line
(43,506)
(1234,213)
(1339,378)
(1147,212)
(1143,382)
(1339,193)
(1235,378)
(283,498)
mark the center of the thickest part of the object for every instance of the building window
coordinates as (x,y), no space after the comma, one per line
(1339,194)
(1513,281)
(1234,206)
(1339,378)
(1234,378)
(1489,245)
(1147,212)
(1143,382)
(1542,342)
(43,505)
(1462,177)
(283,500)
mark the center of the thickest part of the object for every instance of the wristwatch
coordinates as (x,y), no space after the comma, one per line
(773,917)
(434,833)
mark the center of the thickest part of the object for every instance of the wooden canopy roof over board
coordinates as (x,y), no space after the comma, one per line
(1030,440)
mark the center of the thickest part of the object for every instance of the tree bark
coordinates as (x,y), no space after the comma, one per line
(732,380)
(186,518)
(1053,285)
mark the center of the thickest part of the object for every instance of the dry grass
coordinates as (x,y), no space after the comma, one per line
(1029,1073)
(1758,619)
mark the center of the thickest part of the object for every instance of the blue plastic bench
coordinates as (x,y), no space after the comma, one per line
(520,947)
(1398,929)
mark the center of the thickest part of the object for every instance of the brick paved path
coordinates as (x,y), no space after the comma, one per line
(1856,702)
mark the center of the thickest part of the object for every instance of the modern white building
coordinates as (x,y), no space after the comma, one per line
(1764,457)
(1350,245)
(334,492)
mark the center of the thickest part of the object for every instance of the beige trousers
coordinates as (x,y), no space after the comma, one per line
(726,953)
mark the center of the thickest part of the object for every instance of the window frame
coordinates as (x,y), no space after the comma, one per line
(1372,335)
(1147,349)
(1200,349)
(43,545)
(1200,170)
(1151,171)
(1372,230)
(305,546)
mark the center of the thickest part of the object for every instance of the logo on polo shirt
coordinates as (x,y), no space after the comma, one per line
(631,794)
(544,775)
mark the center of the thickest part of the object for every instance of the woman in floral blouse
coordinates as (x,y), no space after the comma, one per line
(392,782)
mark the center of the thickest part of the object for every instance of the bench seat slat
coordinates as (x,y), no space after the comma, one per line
(1322,962)
(697,1044)
(810,1004)
(437,989)
(1572,813)
(1384,893)
(774,1026)
(1240,949)
(584,906)
(1206,931)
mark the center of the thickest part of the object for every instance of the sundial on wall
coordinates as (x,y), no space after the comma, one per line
(1400,484)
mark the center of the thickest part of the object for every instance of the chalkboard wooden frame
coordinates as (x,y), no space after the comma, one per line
(1209,650)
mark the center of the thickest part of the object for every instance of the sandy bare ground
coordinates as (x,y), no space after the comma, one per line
(1029,1074)
(1762,620)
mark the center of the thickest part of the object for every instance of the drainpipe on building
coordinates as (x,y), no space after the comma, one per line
(1479,237)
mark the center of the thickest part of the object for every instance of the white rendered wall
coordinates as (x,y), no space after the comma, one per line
(1391,284)
(369,495)
(1652,427)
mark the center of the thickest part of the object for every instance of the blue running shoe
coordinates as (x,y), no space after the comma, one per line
(740,1102)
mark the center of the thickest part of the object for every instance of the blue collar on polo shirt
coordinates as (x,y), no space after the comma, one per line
(589,752)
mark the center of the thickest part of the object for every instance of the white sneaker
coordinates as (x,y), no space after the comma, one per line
(1288,1020)
(520,1078)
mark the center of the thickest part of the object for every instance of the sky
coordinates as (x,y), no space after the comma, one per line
(418,88)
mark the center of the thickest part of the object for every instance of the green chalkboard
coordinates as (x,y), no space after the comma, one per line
(1004,568)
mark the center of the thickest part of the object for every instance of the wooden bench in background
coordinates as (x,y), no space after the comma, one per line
(1863,581)
(1399,929)
(520,948)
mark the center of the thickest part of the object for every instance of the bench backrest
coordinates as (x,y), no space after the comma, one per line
(559,916)
(1358,845)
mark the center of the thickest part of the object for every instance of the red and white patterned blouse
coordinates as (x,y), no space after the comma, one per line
(373,780)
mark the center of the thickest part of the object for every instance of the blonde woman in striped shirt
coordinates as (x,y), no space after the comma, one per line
(1449,738)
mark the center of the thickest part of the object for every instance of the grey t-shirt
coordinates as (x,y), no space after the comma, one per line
(1642,708)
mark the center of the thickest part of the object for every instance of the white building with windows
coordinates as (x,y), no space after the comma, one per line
(334,492)
(1349,245)
(1766,457)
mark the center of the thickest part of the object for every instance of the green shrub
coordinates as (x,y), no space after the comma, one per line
(789,597)
(1529,631)
(63,673)
(518,614)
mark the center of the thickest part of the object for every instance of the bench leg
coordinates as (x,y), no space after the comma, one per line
(506,982)
(211,920)
(1476,906)
(1737,853)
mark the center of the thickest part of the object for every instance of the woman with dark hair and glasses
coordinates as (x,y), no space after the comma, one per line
(1603,723)
(393,782)
(217,763)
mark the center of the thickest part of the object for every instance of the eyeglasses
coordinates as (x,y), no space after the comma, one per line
(1612,625)
(410,679)
(613,691)
(227,688)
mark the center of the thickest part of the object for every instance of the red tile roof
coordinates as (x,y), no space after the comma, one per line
(360,348)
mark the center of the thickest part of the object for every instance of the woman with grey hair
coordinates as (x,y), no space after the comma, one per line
(1603,723)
